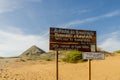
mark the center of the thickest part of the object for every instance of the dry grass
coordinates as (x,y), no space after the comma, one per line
(45,70)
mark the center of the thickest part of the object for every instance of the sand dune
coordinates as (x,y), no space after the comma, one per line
(11,69)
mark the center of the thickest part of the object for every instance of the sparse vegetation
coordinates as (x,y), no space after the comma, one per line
(48,59)
(73,57)
(118,51)
(20,60)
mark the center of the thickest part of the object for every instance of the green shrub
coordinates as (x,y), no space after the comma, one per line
(73,57)
(118,51)
(48,59)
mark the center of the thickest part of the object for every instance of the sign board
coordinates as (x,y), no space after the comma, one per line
(71,39)
(93,56)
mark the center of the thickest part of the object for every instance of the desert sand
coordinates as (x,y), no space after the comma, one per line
(13,69)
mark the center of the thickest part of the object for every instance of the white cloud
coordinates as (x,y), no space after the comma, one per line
(112,42)
(11,5)
(13,43)
(8,5)
(92,19)
(111,14)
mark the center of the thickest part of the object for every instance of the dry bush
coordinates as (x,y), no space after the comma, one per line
(21,60)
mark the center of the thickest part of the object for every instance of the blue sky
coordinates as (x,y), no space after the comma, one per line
(24,23)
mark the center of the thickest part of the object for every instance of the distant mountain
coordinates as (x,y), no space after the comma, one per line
(33,51)
(1,57)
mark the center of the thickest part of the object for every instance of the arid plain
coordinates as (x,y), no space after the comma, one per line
(17,69)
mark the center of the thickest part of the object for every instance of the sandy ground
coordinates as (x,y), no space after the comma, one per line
(12,69)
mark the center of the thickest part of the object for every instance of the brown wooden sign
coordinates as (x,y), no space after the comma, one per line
(71,39)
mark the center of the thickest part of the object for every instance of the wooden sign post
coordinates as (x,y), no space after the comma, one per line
(57,65)
(72,39)
(89,61)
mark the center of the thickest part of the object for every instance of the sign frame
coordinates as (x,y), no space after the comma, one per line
(72,39)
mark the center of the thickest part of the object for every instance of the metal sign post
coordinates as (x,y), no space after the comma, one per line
(92,56)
